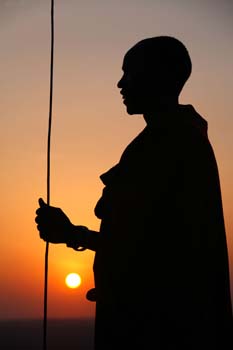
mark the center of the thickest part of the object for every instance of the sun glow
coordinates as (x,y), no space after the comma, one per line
(73,280)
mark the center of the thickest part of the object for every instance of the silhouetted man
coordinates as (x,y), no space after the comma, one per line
(161,264)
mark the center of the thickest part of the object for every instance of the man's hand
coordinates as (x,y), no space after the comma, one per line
(52,223)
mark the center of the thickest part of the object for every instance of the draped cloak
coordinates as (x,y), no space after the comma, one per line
(161,267)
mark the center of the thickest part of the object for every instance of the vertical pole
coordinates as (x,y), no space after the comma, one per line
(48,176)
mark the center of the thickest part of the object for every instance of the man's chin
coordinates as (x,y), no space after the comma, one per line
(131,110)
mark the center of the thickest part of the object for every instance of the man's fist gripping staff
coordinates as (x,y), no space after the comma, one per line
(55,227)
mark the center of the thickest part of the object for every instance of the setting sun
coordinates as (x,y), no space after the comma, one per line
(73,280)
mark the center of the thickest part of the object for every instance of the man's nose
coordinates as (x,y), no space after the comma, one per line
(120,83)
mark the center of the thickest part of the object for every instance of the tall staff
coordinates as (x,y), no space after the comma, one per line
(48,176)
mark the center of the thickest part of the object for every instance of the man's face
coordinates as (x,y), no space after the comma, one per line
(133,84)
(142,86)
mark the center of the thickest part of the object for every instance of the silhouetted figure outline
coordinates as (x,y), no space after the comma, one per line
(161,264)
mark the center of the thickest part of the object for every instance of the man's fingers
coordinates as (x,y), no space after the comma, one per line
(42,203)
(41,219)
(43,236)
(42,233)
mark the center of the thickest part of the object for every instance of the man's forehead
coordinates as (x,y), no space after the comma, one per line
(133,58)
(140,58)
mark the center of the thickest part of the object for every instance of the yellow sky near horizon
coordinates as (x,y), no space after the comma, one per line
(90,125)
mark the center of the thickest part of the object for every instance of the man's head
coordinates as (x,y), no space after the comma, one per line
(154,72)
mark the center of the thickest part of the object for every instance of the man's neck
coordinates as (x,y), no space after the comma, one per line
(159,110)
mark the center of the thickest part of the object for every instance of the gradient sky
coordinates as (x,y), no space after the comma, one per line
(90,125)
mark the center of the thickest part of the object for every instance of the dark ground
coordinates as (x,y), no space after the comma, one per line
(65,334)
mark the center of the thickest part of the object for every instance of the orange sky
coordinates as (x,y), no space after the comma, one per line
(90,125)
